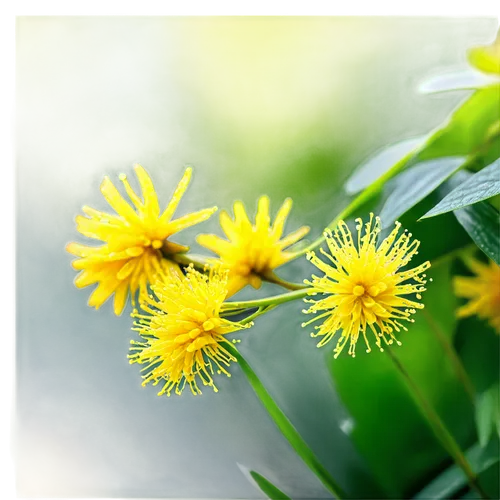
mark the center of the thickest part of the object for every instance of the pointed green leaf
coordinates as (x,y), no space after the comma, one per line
(482,223)
(484,416)
(468,79)
(414,184)
(381,162)
(449,482)
(483,185)
(268,489)
(488,413)
(495,397)
(286,427)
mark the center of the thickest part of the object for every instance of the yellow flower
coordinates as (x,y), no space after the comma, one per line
(253,250)
(483,290)
(364,286)
(183,332)
(134,240)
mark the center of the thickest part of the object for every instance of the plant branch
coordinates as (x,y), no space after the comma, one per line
(268,301)
(440,431)
(452,356)
(362,198)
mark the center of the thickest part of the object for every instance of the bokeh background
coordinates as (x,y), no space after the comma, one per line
(281,106)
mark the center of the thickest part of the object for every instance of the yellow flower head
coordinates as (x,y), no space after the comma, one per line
(364,286)
(134,240)
(183,332)
(482,290)
(253,250)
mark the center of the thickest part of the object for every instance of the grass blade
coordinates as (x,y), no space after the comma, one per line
(287,428)
(453,479)
(263,484)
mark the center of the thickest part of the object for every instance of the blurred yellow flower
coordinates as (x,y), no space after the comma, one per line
(183,332)
(482,290)
(134,240)
(253,250)
(486,58)
(364,286)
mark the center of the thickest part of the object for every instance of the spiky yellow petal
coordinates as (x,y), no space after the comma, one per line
(131,256)
(252,251)
(482,290)
(183,333)
(363,287)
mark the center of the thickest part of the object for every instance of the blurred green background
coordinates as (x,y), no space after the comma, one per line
(281,106)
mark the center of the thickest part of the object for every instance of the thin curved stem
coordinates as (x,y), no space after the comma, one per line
(362,198)
(452,356)
(287,428)
(374,188)
(273,278)
(256,314)
(438,427)
(298,294)
(268,301)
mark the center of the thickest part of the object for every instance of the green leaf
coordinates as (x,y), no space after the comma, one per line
(488,413)
(495,399)
(466,132)
(468,127)
(484,416)
(482,223)
(468,79)
(481,186)
(268,489)
(381,162)
(453,479)
(414,184)
(387,423)
(286,427)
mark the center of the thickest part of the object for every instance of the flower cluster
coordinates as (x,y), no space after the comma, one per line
(366,285)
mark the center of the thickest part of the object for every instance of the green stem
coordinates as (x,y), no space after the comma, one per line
(287,428)
(440,431)
(452,356)
(273,278)
(303,291)
(376,186)
(256,314)
(362,198)
(268,301)
(184,259)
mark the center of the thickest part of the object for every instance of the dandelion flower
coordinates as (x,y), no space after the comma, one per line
(184,335)
(253,250)
(134,240)
(482,290)
(364,287)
